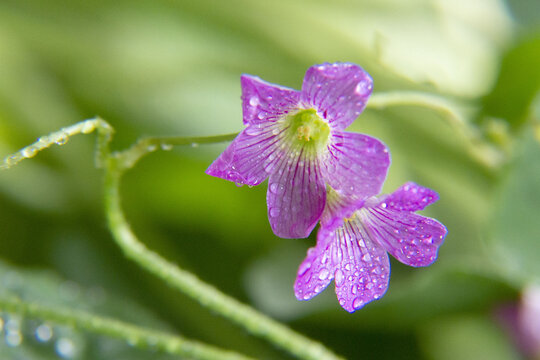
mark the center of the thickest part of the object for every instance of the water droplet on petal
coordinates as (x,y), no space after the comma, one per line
(323,275)
(339,277)
(366,257)
(363,88)
(358,303)
(303,268)
(274,212)
(254,101)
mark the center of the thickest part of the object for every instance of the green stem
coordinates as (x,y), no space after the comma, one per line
(134,335)
(207,295)
(142,147)
(487,154)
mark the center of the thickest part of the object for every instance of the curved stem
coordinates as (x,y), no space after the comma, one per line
(207,295)
(129,157)
(487,154)
(134,335)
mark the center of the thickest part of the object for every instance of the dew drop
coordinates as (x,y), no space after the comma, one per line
(13,338)
(43,333)
(363,88)
(354,289)
(194,145)
(62,139)
(29,152)
(12,160)
(307,297)
(358,303)
(428,240)
(65,348)
(323,275)
(303,268)
(151,148)
(88,127)
(339,277)
(166,147)
(252,130)
(239,184)
(274,212)
(324,259)
(366,257)
(254,101)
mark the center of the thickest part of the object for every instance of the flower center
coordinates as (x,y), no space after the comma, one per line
(308,128)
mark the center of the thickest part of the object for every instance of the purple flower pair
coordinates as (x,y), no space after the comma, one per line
(318,172)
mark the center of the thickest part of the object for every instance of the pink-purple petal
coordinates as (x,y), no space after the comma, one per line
(315,272)
(263,102)
(339,92)
(243,161)
(410,197)
(356,164)
(411,238)
(337,209)
(362,268)
(296,194)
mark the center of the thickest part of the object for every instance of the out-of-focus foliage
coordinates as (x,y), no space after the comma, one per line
(173,67)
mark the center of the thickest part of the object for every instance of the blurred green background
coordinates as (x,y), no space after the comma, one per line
(172,68)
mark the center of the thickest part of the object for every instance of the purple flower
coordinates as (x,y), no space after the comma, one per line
(354,239)
(296,139)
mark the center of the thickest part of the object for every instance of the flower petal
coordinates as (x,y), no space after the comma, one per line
(338,208)
(362,268)
(356,164)
(243,161)
(411,238)
(410,197)
(339,92)
(262,101)
(315,272)
(296,194)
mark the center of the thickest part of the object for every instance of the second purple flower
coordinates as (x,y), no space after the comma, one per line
(296,139)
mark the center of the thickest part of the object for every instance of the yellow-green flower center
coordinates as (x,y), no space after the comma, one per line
(309,129)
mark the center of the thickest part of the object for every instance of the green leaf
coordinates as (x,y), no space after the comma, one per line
(516,232)
(517,85)
(465,338)
(36,339)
